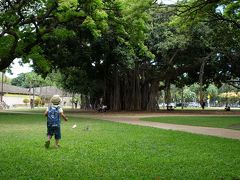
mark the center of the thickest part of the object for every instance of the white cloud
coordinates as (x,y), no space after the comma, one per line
(17,69)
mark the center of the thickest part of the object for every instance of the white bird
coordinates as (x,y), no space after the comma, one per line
(74,126)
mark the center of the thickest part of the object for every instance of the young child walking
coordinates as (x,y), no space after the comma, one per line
(53,113)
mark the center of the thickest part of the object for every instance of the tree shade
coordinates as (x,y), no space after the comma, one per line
(124,52)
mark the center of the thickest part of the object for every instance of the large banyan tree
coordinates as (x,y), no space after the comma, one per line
(124,52)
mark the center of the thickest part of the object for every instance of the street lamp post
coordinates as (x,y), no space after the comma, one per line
(32,103)
(33,86)
(33,97)
(2,87)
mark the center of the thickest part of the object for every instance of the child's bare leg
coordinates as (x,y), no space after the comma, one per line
(47,143)
(57,142)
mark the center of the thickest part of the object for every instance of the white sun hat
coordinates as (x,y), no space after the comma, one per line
(56,99)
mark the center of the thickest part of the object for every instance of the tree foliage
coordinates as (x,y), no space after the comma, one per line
(29,80)
(222,20)
(25,25)
(124,52)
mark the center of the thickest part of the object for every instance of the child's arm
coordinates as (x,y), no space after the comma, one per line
(64,117)
(46,113)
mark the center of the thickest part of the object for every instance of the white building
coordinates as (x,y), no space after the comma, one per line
(13,96)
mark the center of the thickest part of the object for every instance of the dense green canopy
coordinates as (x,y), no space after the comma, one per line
(124,51)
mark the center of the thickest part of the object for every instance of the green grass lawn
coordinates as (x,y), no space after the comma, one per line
(111,151)
(229,122)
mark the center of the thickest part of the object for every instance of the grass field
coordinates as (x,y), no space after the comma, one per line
(106,150)
(229,122)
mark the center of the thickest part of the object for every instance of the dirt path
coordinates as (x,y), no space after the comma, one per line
(135,120)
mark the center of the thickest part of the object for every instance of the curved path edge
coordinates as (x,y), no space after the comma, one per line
(218,132)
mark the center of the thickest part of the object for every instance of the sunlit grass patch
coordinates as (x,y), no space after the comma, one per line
(230,122)
(100,149)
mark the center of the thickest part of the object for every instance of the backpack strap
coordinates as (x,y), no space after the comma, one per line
(49,107)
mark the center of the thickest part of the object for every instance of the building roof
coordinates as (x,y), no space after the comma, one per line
(47,91)
(7,88)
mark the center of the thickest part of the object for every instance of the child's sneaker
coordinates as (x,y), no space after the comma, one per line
(57,146)
(47,143)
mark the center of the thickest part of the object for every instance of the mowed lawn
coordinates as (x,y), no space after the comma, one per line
(229,122)
(105,150)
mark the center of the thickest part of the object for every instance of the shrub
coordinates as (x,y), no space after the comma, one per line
(26,101)
(37,101)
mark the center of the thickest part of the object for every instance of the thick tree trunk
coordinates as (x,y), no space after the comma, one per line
(130,90)
(182,98)
(167,92)
(201,98)
(127,85)
(152,103)
(137,98)
(72,100)
(116,92)
(133,91)
(145,95)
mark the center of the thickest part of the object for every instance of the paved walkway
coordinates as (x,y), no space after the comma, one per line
(135,120)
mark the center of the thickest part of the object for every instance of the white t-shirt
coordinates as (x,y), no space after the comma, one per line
(60,109)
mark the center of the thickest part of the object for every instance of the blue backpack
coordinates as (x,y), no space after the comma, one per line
(53,117)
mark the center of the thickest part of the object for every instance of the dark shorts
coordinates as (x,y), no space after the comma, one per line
(56,131)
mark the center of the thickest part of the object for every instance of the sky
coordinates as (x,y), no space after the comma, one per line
(167,1)
(18,69)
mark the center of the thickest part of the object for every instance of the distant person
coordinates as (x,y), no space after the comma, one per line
(102,108)
(75,103)
(227,108)
(203,104)
(53,113)
(31,103)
